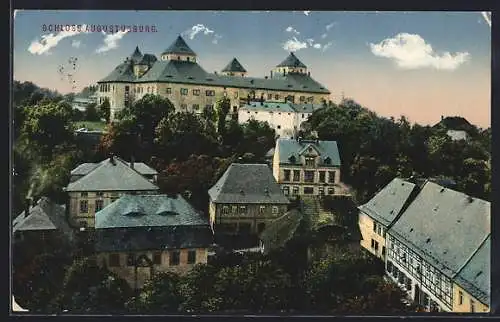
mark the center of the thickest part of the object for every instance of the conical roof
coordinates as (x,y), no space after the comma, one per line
(179,46)
(136,55)
(292,61)
(234,66)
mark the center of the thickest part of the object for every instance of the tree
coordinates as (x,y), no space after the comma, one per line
(91,113)
(160,294)
(45,127)
(104,110)
(223,106)
(258,138)
(197,290)
(88,288)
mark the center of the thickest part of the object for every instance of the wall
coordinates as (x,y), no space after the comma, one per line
(285,120)
(466,301)
(366,224)
(253,216)
(143,274)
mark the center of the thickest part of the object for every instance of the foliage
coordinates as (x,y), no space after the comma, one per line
(92,113)
(104,110)
(160,294)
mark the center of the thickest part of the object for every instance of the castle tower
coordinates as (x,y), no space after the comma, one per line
(290,65)
(179,50)
(144,64)
(136,55)
(234,68)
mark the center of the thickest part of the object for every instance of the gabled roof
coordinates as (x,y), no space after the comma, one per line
(280,231)
(443,226)
(187,72)
(247,183)
(474,277)
(269,107)
(386,205)
(148,211)
(86,168)
(45,215)
(122,73)
(112,175)
(234,66)
(148,59)
(290,147)
(136,55)
(179,46)
(291,61)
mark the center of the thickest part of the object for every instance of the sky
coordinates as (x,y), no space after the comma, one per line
(422,65)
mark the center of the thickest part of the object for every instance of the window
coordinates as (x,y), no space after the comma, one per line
(196,92)
(99,204)
(234,209)
(321,191)
(374,245)
(148,89)
(174,258)
(210,93)
(302,115)
(472,306)
(286,190)
(389,266)
(225,210)
(309,176)
(302,98)
(184,91)
(296,175)
(403,258)
(277,97)
(157,258)
(84,195)
(84,206)
(379,230)
(243,210)
(322,176)
(331,176)
(286,175)
(310,162)
(275,210)
(408,284)
(269,96)
(130,260)
(374,227)
(196,107)
(100,194)
(331,191)
(460,298)
(262,209)
(192,257)
(114,260)
(295,190)
(168,90)
(308,190)
(383,250)
(184,107)
(310,99)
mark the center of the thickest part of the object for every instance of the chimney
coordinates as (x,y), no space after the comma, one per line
(132,160)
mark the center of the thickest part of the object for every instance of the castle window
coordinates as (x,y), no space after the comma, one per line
(168,90)
(178,57)
(262,209)
(310,99)
(196,107)
(148,89)
(84,206)
(187,58)
(191,257)
(114,260)
(157,258)
(175,257)
(184,91)
(196,92)
(277,97)
(331,176)
(302,98)
(269,96)
(210,93)
(275,209)
(99,204)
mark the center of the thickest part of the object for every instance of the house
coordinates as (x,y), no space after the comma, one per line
(458,135)
(379,213)
(139,235)
(308,167)
(245,199)
(471,287)
(94,186)
(40,221)
(435,250)
(176,75)
(284,117)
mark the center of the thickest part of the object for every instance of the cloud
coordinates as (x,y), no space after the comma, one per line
(51,40)
(487,17)
(294,45)
(330,26)
(323,36)
(76,43)
(292,30)
(317,46)
(111,41)
(215,41)
(328,45)
(196,29)
(410,51)
(307,13)
(310,41)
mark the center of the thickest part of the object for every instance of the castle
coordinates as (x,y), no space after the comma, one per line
(178,77)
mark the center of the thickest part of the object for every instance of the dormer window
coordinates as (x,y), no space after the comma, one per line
(292,159)
(328,160)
